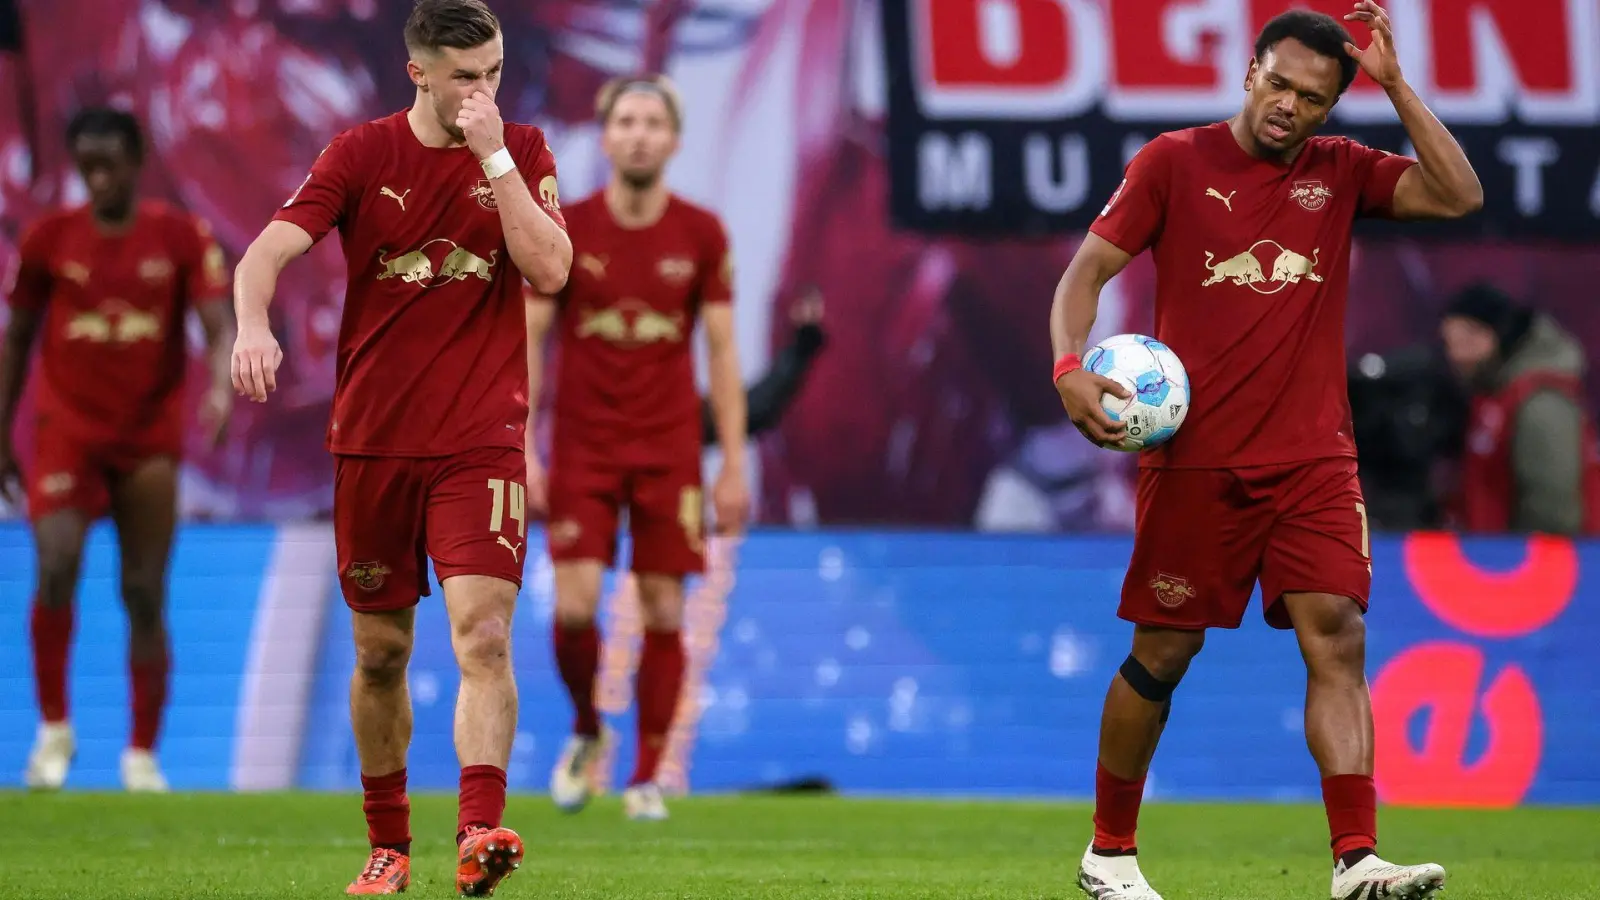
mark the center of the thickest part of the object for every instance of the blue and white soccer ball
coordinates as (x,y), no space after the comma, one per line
(1156,380)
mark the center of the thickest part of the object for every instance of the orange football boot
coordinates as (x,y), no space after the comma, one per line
(387,872)
(488,855)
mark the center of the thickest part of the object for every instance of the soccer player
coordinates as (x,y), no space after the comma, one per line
(1249,221)
(442,210)
(110,285)
(627,422)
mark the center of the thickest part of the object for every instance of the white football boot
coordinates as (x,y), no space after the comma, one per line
(572,780)
(1374,879)
(644,803)
(51,759)
(141,774)
(1113,878)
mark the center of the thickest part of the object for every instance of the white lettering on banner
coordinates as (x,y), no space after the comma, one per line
(954,173)
(1529,155)
(1476,61)
(1039,166)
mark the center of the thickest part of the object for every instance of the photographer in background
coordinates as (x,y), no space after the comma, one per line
(1531,462)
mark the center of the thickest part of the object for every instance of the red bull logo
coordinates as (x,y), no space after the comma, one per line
(631,324)
(1311,195)
(1245,269)
(369,576)
(417,266)
(1170,590)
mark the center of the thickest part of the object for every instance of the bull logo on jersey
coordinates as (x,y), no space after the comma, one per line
(75,272)
(1245,269)
(1170,590)
(94,327)
(631,324)
(136,325)
(115,321)
(417,266)
(675,269)
(1310,194)
(155,269)
(483,192)
(369,576)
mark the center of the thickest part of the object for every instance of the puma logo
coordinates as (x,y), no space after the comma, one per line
(514,548)
(398,198)
(1226,201)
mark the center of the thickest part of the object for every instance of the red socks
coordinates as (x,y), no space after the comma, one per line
(1352,804)
(483,799)
(658,685)
(388,811)
(51,631)
(578,660)
(148,678)
(659,682)
(1116,811)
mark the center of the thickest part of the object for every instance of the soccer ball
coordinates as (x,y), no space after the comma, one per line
(1153,375)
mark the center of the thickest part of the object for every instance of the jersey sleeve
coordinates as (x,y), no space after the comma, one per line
(1378,172)
(716,265)
(1134,216)
(31,287)
(540,164)
(321,202)
(205,276)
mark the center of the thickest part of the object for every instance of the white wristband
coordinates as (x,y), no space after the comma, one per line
(499,163)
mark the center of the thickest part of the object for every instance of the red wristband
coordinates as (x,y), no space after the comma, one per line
(1067,363)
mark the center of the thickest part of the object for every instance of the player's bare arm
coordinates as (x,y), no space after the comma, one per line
(538,246)
(21,330)
(730,496)
(1072,315)
(256,354)
(540,312)
(217,405)
(1443,184)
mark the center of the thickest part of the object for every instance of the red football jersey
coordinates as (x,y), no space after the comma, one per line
(433,341)
(114,350)
(1252,271)
(625,381)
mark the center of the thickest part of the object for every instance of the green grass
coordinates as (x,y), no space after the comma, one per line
(750,848)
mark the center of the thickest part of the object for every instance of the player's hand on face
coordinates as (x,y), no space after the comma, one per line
(215,410)
(10,475)
(730,500)
(535,499)
(480,121)
(1378,60)
(256,356)
(1080,392)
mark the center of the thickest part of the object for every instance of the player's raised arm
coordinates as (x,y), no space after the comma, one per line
(1442,185)
(536,236)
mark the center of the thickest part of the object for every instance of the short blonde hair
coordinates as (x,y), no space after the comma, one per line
(659,85)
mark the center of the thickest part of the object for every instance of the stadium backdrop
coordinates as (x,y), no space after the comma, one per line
(904,663)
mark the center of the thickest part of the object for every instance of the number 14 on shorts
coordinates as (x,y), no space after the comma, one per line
(507,499)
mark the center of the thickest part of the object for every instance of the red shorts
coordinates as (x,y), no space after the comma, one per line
(70,473)
(391,513)
(1204,537)
(666,512)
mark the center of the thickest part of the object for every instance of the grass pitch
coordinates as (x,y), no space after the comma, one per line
(270,846)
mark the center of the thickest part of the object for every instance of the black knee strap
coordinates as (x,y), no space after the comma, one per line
(1144,684)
